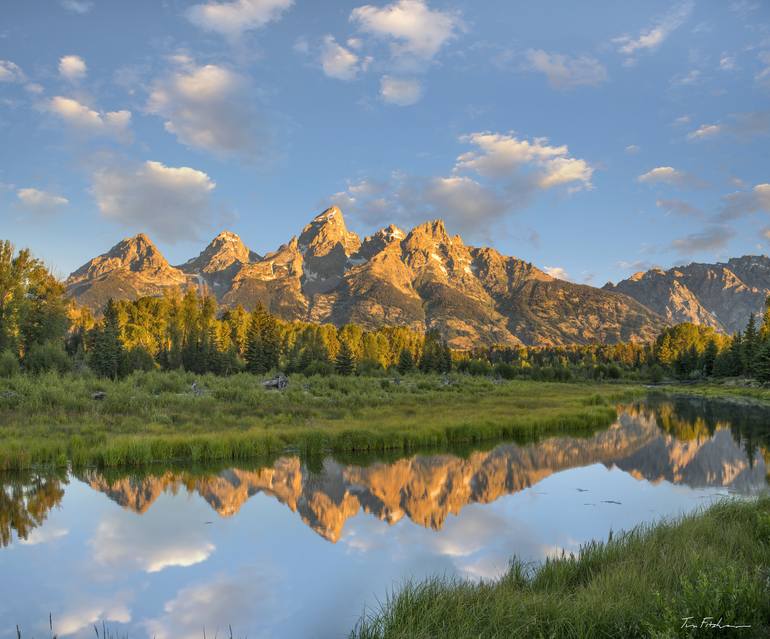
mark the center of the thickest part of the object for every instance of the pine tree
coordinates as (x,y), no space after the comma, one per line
(709,357)
(405,362)
(764,329)
(345,362)
(762,363)
(263,342)
(750,346)
(108,353)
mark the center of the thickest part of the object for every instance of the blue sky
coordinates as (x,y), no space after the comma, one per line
(595,139)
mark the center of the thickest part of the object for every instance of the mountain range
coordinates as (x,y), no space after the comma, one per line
(426,278)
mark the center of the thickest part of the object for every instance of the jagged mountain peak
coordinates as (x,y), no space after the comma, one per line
(327,230)
(223,252)
(137,253)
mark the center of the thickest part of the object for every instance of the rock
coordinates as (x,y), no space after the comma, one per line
(279,382)
(98,395)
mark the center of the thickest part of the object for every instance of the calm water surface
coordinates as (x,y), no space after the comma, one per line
(298,548)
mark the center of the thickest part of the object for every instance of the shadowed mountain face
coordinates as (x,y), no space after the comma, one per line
(421,279)
(721,295)
(657,443)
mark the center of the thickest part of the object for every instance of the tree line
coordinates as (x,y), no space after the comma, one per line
(40,331)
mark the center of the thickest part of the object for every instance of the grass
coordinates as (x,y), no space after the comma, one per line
(52,420)
(638,584)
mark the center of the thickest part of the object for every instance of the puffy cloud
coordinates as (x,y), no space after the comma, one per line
(340,62)
(650,39)
(705,131)
(77,6)
(241,601)
(669,175)
(564,72)
(208,107)
(10,72)
(415,32)
(400,91)
(86,615)
(232,19)
(499,175)
(679,207)
(40,202)
(72,67)
(85,120)
(172,202)
(711,239)
(499,155)
(557,271)
(746,202)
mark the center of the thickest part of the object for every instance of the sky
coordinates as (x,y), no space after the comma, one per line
(592,139)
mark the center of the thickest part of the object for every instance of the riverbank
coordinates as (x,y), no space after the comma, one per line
(166,416)
(644,583)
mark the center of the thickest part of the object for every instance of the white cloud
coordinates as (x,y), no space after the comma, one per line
(669,175)
(172,202)
(416,33)
(10,72)
(43,535)
(208,107)
(745,202)
(650,39)
(705,131)
(632,149)
(40,202)
(499,155)
(727,62)
(339,62)
(77,6)
(400,91)
(232,19)
(85,120)
(72,68)
(241,601)
(499,175)
(557,271)
(564,72)
(86,615)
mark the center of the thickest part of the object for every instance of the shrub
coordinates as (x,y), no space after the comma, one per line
(9,364)
(48,357)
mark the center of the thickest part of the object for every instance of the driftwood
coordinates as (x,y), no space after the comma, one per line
(280,382)
(99,395)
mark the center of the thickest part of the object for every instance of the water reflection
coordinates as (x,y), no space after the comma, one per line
(169,551)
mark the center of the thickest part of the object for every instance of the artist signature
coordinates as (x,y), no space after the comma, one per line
(708,623)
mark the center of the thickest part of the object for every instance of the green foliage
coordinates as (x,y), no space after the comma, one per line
(47,357)
(345,362)
(262,342)
(640,583)
(107,356)
(9,363)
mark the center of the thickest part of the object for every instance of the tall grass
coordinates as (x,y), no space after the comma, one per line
(148,417)
(641,583)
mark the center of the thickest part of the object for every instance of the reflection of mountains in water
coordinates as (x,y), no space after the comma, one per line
(426,489)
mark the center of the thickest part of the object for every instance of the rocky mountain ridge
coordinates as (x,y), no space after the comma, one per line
(423,278)
(721,295)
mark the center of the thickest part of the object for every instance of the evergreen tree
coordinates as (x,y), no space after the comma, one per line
(750,346)
(764,329)
(709,357)
(345,362)
(107,356)
(405,362)
(263,342)
(762,363)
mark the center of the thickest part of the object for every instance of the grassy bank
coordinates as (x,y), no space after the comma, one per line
(639,584)
(728,389)
(150,417)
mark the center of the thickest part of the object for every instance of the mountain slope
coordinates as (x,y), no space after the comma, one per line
(722,295)
(421,279)
(131,269)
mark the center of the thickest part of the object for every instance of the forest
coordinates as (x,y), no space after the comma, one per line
(41,331)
